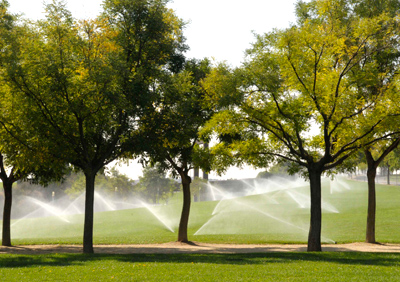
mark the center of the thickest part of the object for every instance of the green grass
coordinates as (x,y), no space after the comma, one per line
(253,219)
(201,267)
(243,220)
(349,225)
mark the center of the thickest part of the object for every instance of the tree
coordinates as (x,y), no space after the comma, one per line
(298,78)
(382,79)
(85,85)
(393,160)
(17,162)
(110,182)
(177,118)
(198,184)
(117,183)
(373,161)
(154,185)
(6,25)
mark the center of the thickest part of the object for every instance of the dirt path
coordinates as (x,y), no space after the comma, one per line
(196,247)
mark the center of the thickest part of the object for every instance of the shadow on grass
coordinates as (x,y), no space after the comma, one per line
(343,258)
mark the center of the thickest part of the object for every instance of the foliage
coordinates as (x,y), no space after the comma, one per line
(362,167)
(16,158)
(83,87)
(297,77)
(264,174)
(392,161)
(198,184)
(177,118)
(110,183)
(17,161)
(173,129)
(154,186)
(280,168)
(119,184)
(308,95)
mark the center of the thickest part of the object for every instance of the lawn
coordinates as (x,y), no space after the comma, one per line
(200,267)
(264,218)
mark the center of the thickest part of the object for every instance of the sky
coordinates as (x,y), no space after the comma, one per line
(217,29)
(221,29)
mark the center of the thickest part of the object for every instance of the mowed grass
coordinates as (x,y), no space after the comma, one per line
(266,218)
(202,267)
(253,219)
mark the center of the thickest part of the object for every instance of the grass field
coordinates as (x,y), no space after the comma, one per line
(252,219)
(197,267)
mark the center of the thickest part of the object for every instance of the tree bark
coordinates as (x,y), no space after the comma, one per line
(89,212)
(371,175)
(371,214)
(183,224)
(388,175)
(314,235)
(6,235)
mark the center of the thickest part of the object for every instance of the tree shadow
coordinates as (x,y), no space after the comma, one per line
(344,258)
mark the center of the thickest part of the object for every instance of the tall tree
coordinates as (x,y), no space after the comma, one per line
(382,79)
(6,25)
(176,121)
(85,85)
(374,159)
(295,97)
(17,162)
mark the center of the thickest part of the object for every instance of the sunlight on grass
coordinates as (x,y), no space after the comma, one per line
(251,219)
(197,267)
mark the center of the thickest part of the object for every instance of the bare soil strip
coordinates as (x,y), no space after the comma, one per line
(197,248)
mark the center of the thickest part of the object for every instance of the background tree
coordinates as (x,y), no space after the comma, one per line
(154,185)
(394,160)
(197,186)
(108,182)
(118,184)
(85,85)
(279,169)
(299,78)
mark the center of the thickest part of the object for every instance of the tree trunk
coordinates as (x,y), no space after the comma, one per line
(370,234)
(314,235)
(183,224)
(388,175)
(372,166)
(89,206)
(6,235)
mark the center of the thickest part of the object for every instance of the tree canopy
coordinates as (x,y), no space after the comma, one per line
(173,130)
(297,97)
(84,86)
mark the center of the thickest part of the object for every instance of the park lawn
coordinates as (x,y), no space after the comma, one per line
(248,220)
(328,266)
